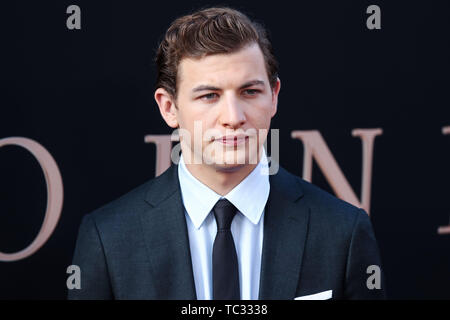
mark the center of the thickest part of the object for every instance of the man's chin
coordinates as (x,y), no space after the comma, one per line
(228,168)
(232,163)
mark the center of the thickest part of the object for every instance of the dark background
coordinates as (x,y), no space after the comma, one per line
(87,96)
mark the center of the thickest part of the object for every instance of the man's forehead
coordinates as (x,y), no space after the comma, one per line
(241,66)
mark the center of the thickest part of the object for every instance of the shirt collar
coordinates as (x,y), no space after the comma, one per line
(199,199)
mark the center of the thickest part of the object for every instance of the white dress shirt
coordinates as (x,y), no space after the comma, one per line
(249,197)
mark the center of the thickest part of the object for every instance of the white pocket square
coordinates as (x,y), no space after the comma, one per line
(317,296)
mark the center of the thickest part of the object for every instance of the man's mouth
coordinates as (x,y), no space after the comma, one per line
(232,140)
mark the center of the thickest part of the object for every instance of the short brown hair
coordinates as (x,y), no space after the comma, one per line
(209,31)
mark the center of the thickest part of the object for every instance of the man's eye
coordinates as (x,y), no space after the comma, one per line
(251,92)
(209,96)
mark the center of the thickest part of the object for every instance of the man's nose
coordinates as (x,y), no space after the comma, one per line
(232,113)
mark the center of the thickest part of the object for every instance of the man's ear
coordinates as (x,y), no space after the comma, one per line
(167,107)
(275,92)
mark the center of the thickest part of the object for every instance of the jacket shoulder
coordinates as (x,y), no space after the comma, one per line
(324,205)
(136,200)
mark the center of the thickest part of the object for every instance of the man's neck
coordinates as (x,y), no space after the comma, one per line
(221,180)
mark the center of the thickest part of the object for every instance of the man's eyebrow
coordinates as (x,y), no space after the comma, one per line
(212,88)
(252,83)
(204,88)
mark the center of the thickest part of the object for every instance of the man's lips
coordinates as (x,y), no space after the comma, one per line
(232,140)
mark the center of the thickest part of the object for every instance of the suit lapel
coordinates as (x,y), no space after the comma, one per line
(166,238)
(285,230)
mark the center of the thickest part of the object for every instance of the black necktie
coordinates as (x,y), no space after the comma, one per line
(225,264)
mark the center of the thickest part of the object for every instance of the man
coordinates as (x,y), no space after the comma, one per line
(217,225)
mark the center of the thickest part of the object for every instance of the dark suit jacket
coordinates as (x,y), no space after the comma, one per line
(137,247)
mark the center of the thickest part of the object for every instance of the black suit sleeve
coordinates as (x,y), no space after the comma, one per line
(89,256)
(362,282)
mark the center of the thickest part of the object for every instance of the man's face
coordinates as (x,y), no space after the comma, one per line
(229,95)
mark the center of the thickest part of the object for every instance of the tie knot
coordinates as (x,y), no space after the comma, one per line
(224,211)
